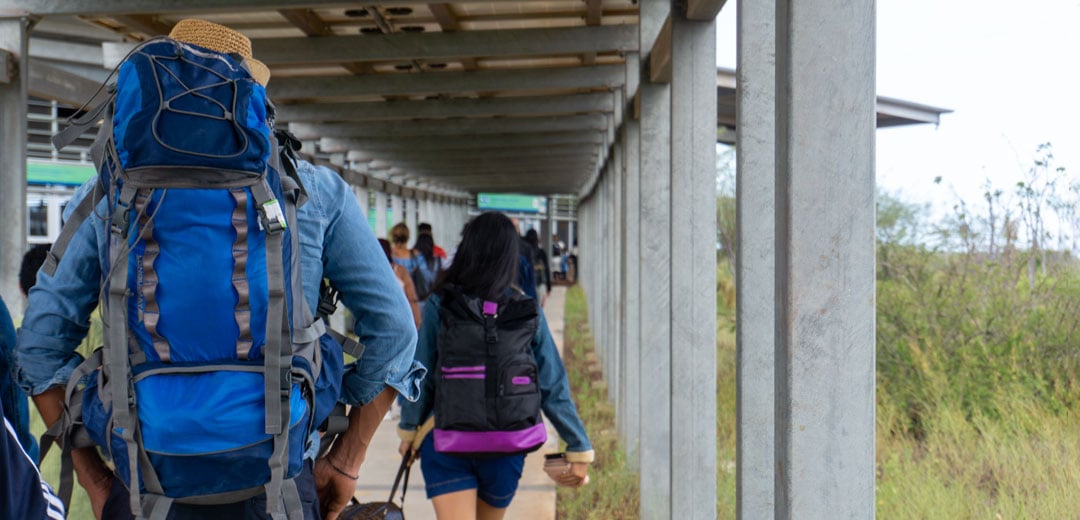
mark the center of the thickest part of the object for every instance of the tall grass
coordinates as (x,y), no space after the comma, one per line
(977,389)
(725,398)
(613,490)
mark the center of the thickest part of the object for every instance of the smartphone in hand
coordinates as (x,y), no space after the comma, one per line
(556,465)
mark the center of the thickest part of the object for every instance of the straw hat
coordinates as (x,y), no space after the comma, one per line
(215,37)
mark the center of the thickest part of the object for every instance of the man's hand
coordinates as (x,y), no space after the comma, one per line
(93,476)
(335,489)
(335,473)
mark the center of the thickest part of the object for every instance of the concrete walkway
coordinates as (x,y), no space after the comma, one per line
(535,499)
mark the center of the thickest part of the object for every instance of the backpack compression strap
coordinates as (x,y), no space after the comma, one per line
(277,358)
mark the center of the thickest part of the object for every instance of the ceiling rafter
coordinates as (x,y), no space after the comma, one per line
(313,26)
(448,22)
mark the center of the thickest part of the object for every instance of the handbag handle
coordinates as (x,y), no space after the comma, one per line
(403,470)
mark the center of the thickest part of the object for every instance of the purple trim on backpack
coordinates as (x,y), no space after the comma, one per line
(451,370)
(464,376)
(491,308)
(452,441)
(521,380)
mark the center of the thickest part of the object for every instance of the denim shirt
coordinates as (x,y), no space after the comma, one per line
(336,243)
(555,398)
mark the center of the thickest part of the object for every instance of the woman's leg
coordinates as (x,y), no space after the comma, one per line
(485,511)
(459,505)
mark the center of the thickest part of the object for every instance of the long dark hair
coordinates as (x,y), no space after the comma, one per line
(486,261)
(426,246)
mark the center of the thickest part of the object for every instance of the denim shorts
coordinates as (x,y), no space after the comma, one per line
(495,480)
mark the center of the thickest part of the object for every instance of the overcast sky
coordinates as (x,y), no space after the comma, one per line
(1008,70)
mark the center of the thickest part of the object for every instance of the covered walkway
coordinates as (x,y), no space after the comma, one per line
(420,106)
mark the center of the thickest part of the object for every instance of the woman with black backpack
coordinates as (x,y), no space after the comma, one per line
(493,367)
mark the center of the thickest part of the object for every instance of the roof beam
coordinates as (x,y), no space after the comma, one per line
(594,12)
(446,45)
(475,127)
(144,23)
(454,155)
(311,25)
(448,22)
(703,10)
(594,15)
(307,21)
(14,8)
(599,76)
(51,82)
(57,50)
(481,162)
(443,108)
(543,139)
(660,56)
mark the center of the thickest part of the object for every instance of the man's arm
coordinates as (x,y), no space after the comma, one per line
(56,321)
(337,472)
(355,264)
(93,474)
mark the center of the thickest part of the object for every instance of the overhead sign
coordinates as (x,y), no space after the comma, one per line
(511,202)
(66,174)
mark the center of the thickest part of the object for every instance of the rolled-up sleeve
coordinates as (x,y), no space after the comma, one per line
(414,414)
(355,264)
(555,397)
(58,315)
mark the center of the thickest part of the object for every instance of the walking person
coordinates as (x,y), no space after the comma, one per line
(232,377)
(404,280)
(541,265)
(495,366)
(419,261)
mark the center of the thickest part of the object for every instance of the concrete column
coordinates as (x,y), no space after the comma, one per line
(13,99)
(570,236)
(755,282)
(422,211)
(546,240)
(655,278)
(397,213)
(409,205)
(615,274)
(693,277)
(628,416)
(443,217)
(380,215)
(825,259)
(362,198)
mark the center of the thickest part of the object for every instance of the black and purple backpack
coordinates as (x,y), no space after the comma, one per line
(487,396)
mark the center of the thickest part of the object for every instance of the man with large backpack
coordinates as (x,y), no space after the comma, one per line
(207,244)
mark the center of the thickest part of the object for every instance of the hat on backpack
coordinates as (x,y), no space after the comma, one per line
(219,38)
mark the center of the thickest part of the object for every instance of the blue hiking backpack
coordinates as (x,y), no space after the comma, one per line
(487,394)
(214,372)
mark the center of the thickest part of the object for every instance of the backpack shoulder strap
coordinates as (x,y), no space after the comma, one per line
(84,209)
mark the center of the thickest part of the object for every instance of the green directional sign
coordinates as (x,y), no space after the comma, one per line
(511,202)
(67,174)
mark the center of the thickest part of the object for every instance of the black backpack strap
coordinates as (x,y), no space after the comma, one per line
(329,297)
(288,146)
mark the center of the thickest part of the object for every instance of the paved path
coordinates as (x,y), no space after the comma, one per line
(535,499)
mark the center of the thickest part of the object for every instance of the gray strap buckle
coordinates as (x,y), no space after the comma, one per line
(271,218)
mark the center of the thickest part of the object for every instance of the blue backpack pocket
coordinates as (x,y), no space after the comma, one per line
(197,424)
